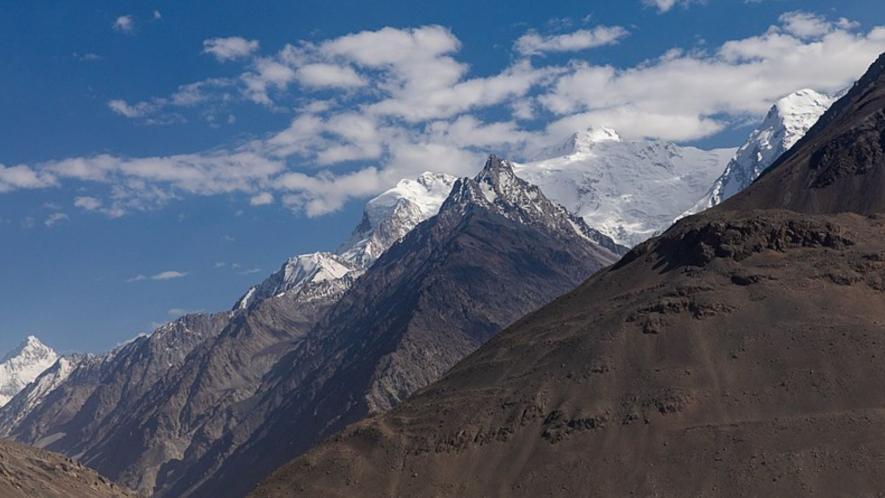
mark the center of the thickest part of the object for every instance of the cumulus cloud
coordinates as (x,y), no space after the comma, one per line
(24,177)
(533,43)
(124,24)
(230,48)
(698,91)
(328,75)
(163,275)
(396,102)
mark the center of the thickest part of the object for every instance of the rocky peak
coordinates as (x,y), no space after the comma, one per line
(497,188)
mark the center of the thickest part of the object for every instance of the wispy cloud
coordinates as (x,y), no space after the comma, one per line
(667,5)
(177,312)
(533,43)
(124,24)
(164,275)
(55,218)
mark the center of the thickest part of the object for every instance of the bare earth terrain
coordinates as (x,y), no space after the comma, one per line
(27,472)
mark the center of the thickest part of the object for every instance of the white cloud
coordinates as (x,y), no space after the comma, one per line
(124,24)
(55,218)
(397,102)
(267,74)
(163,275)
(698,91)
(138,110)
(88,203)
(261,199)
(809,25)
(666,5)
(230,48)
(157,15)
(532,43)
(24,177)
(328,75)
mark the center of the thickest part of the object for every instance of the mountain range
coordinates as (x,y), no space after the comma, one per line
(738,353)
(210,404)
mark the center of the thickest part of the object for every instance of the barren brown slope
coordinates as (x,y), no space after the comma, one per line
(740,353)
(27,472)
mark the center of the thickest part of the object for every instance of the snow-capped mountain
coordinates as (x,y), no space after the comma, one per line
(498,188)
(626,189)
(386,219)
(316,274)
(22,365)
(787,121)
(497,249)
(392,214)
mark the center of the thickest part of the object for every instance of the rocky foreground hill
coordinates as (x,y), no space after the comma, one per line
(27,472)
(740,353)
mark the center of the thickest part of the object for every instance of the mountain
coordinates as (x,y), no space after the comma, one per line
(391,215)
(497,249)
(627,189)
(28,472)
(739,353)
(787,121)
(386,219)
(145,411)
(298,272)
(22,365)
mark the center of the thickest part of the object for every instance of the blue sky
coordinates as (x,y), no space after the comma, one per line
(157,158)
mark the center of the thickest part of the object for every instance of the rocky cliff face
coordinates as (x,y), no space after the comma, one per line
(737,353)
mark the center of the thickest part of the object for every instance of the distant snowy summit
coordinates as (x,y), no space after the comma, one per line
(626,189)
(22,365)
(387,218)
(787,122)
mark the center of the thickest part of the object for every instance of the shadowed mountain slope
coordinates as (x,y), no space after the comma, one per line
(497,249)
(740,353)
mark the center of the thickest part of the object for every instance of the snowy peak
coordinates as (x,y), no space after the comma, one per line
(581,143)
(296,274)
(387,218)
(786,122)
(626,189)
(499,189)
(391,215)
(22,365)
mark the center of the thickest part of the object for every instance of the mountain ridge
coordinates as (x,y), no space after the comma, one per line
(737,353)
